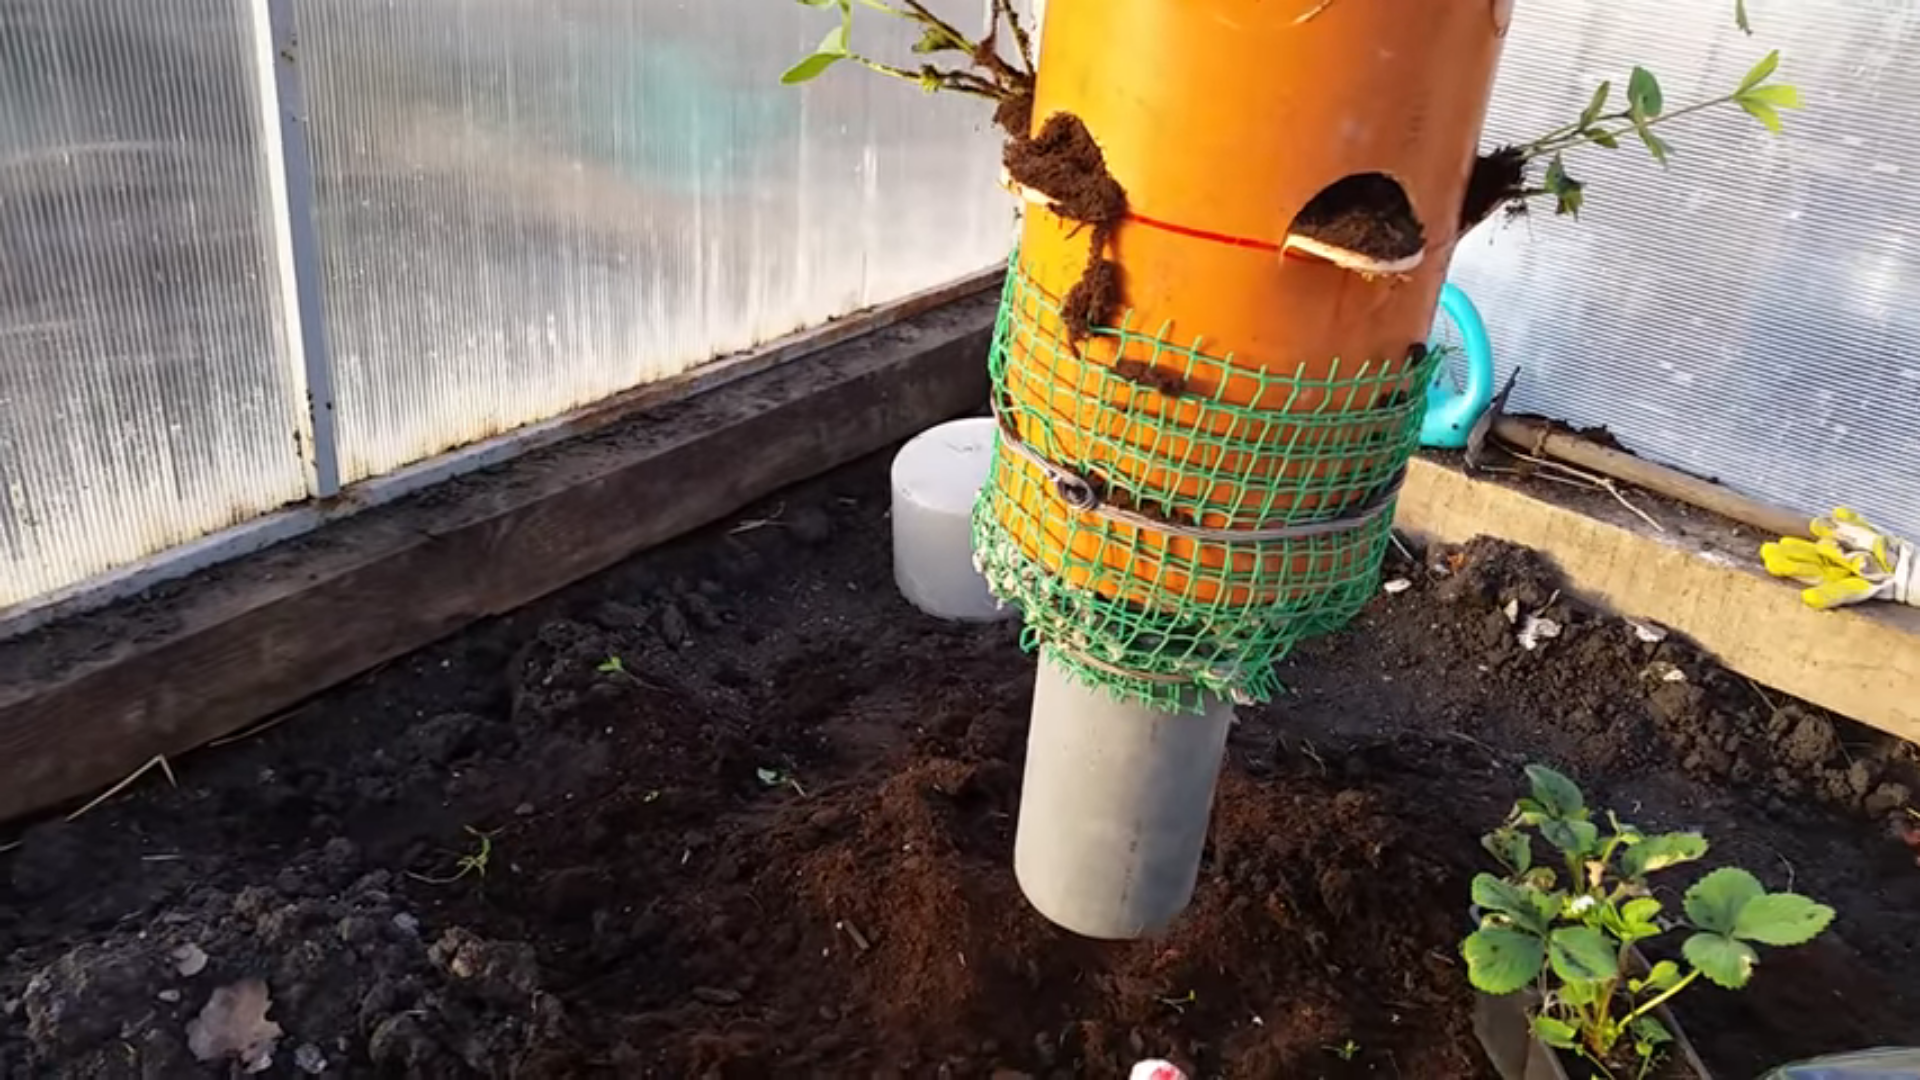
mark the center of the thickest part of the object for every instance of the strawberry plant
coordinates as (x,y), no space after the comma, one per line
(1565,919)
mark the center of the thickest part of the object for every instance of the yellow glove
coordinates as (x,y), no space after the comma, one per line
(1847,562)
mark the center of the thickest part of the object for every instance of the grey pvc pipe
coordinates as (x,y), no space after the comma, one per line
(1114,807)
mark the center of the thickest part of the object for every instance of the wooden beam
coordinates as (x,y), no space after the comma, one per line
(1705,582)
(86,701)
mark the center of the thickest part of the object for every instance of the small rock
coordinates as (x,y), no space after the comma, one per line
(1648,632)
(234,1025)
(308,1059)
(407,923)
(189,960)
(525,809)
(1886,799)
(1536,631)
(713,995)
(1859,779)
(1810,740)
(169,995)
(507,972)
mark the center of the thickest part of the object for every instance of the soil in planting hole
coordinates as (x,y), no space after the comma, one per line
(1064,163)
(1367,214)
(774,840)
(1497,178)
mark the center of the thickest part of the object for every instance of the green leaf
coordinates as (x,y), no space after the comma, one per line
(1597,105)
(1763,112)
(1715,901)
(1603,139)
(1555,794)
(935,40)
(1778,95)
(1519,904)
(1643,93)
(1761,72)
(1655,146)
(1582,953)
(1512,847)
(836,42)
(811,68)
(1582,992)
(1555,1033)
(1662,976)
(1721,959)
(1500,961)
(1781,919)
(1649,1035)
(1640,909)
(1636,919)
(1740,16)
(1660,852)
(1576,838)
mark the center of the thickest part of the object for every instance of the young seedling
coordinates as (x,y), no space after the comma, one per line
(1346,1051)
(1566,926)
(1501,177)
(1182,1003)
(617,668)
(474,862)
(983,72)
(779,778)
(1643,110)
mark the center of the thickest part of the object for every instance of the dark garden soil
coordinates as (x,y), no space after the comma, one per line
(1063,162)
(774,840)
(1368,214)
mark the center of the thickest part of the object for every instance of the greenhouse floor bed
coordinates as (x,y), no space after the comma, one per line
(734,809)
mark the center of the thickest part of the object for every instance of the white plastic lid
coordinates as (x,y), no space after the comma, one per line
(943,467)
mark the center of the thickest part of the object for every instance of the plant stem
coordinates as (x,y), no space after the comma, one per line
(1559,141)
(957,81)
(920,12)
(1661,999)
(1022,42)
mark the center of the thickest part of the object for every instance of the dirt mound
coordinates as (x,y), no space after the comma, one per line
(735,810)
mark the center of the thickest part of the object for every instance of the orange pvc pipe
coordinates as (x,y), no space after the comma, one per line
(1222,119)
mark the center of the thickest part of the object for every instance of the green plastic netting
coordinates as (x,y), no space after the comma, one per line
(1157,536)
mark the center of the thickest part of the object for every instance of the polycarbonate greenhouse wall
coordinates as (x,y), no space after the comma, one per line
(1753,312)
(500,210)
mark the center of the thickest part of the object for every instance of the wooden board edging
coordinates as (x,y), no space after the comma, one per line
(1861,662)
(86,701)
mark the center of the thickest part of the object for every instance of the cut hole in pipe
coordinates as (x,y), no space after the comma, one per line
(1364,223)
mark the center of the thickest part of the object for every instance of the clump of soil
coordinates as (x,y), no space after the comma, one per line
(1497,179)
(1139,372)
(1064,163)
(1014,115)
(1368,214)
(776,839)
